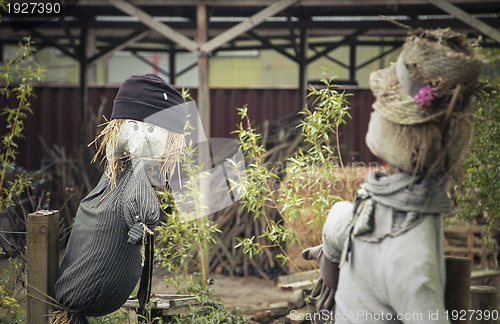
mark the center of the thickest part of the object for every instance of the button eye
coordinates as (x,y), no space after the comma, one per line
(135,126)
(151,129)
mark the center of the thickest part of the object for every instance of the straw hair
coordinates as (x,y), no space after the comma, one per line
(115,159)
(61,317)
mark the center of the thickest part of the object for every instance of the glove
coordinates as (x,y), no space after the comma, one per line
(327,285)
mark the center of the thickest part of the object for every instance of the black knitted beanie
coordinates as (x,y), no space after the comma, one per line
(148,98)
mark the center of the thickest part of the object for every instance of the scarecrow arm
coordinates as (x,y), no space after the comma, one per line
(143,214)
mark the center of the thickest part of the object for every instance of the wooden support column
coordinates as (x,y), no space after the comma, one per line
(90,49)
(171,62)
(203,103)
(42,252)
(352,63)
(203,99)
(83,78)
(302,60)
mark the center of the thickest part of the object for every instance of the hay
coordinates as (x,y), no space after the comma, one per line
(308,229)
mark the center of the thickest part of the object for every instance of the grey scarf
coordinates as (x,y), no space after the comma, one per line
(392,205)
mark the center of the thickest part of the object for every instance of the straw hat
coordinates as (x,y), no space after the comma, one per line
(418,88)
(423,112)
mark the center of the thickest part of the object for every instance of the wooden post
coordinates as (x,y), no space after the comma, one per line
(171,60)
(203,103)
(458,271)
(485,300)
(42,252)
(302,60)
(352,63)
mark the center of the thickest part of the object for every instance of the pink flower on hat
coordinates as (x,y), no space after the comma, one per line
(425,96)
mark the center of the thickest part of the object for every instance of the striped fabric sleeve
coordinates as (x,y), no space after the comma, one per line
(142,209)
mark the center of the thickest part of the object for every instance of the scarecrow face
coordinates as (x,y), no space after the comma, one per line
(139,140)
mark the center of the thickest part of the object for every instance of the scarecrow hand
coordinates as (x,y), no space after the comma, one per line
(329,277)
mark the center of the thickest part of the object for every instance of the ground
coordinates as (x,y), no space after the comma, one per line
(250,294)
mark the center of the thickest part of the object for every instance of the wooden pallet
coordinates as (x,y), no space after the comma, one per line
(468,240)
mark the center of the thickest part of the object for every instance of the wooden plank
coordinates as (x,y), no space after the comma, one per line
(480,274)
(466,18)
(464,228)
(42,251)
(457,249)
(165,301)
(246,25)
(157,26)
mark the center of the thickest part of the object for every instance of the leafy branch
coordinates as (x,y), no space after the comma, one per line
(17,76)
(310,173)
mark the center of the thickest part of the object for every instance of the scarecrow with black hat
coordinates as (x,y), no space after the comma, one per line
(382,257)
(105,255)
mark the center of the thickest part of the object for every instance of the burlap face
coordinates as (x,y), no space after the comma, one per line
(410,148)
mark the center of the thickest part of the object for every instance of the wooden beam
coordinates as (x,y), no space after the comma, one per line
(334,60)
(279,49)
(186,69)
(253,3)
(159,27)
(66,50)
(346,40)
(468,19)
(148,62)
(362,65)
(245,26)
(133,38)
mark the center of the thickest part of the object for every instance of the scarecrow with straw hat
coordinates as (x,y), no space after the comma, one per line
(382,257)
(106,252)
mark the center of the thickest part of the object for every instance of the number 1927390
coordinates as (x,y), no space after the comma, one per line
(33,8)
(478,315)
